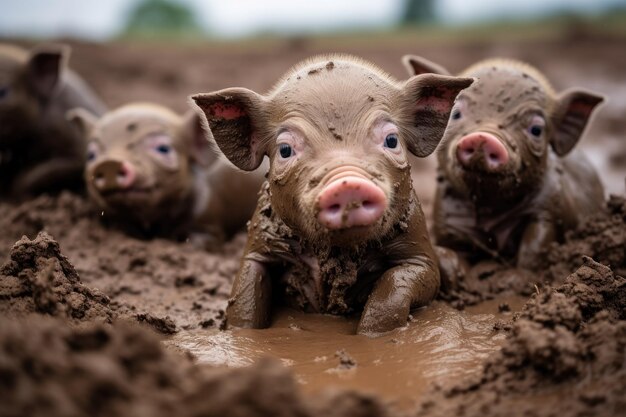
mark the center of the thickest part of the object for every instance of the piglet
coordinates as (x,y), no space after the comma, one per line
(39,149)
(338,227)
(510,181)
(154,172)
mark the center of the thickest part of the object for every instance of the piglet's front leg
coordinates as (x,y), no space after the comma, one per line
(396,292)
(250,302)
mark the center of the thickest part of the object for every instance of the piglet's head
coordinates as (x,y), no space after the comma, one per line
(141,158)
(337,131)
(504,127)
(28,80)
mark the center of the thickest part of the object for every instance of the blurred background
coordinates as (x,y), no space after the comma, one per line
(106,20)
(164,50)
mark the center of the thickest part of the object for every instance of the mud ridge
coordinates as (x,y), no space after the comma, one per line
(39,278)
(170,285)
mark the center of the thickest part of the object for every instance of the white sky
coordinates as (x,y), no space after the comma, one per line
(99,19)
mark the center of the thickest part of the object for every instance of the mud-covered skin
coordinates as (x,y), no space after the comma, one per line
(538,190)
(39,149)
(333,113)
(177,188)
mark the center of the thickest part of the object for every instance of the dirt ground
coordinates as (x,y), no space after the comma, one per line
(76,299)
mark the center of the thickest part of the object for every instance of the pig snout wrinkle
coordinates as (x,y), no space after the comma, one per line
(350,201)
(113,175)
(493,151)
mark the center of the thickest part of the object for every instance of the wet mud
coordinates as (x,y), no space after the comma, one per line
(439,345)
(96,322)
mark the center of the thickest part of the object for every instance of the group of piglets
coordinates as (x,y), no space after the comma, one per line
(146,169)
(337,227)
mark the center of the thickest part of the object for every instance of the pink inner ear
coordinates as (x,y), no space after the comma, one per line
(581,108)
(226,111)
(441,101)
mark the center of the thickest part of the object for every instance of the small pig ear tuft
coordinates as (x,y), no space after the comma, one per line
(426,103)
(202,148)
(417,65)
(234,117)
(82,119)
(44,68)
(573,112)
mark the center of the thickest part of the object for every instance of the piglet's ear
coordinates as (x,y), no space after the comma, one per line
(82,119)
(199,139)
(234,117)
(572,113)
(44,68)
(417,65)
(426,102)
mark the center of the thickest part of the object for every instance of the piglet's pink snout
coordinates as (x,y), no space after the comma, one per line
(470,146)
(111,175)
(350,201)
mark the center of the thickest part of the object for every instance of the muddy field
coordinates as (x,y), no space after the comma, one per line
(95,322)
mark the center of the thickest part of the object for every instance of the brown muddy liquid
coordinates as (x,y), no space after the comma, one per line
(441,345)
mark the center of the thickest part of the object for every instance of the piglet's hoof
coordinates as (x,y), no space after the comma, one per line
(452,268)
(382,318)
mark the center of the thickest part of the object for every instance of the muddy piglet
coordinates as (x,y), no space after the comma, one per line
(155,173)
(510,180)
(39,149)
(338,227)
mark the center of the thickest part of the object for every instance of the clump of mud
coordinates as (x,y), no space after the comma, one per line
(602,237)
(565,354)
(39,278)
(50,369)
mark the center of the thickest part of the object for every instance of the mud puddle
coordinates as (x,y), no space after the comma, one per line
(441,345)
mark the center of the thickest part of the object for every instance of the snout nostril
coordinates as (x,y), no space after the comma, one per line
(334,208)
(367,203)
(493,156)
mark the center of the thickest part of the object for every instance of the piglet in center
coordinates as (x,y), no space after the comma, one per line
(338,228)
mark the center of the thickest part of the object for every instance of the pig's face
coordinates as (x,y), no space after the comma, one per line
(337,132)
(27,80)
(502,128)
(497,138)
(140,158)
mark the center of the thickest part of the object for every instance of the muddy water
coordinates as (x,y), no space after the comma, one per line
(441,345)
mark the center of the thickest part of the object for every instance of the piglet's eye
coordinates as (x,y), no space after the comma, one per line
(391,141)
(536,126)
(164,149)
(92,152)
(456,114)
(536,130)
(285,150)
